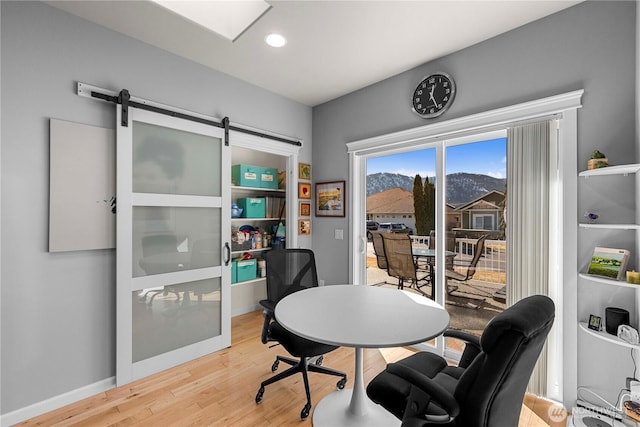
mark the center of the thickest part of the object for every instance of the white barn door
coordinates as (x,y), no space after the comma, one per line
(173,284)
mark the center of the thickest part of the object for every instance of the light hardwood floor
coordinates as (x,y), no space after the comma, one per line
(219,390)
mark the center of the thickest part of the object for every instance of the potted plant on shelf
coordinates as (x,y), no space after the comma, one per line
(597,160)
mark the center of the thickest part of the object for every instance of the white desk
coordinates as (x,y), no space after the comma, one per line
(359,317)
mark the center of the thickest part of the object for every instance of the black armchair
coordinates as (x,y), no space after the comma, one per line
(486,389)
(289,271)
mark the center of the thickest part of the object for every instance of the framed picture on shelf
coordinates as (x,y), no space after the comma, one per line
(304,171)
(304,227)
(304,209)
(330,199)
(304,190)
(595,322)
(609,263)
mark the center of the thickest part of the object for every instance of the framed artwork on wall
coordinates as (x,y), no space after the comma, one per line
(304,227)
(330,199)
(304,209)
(304,190)
(304,171)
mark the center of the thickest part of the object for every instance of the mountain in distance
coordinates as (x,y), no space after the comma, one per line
(461,187)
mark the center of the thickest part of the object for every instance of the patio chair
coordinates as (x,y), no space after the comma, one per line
(381,260)
(449,244)
(401,262)
(478,248)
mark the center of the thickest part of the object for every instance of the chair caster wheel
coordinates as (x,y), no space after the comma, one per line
(341,383)
(259,395)
(319,360)
(275,365)
(305,411)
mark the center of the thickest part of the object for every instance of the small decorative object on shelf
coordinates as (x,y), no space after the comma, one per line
(633,277)
(591,217)
(282,180)
(609,263)
(597,160)
(595,322)
(236,211)
(632,409)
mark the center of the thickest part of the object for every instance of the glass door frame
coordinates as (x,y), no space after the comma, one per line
(126,369)
(564,108)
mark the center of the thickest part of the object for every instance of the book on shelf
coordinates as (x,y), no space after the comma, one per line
(273,206)
(609,263)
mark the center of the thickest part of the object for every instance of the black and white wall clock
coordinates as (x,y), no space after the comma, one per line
(434,95)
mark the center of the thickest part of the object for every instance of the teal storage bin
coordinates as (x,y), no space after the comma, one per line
(234,272)
(246,270)
(253,207)
(269,178)
(246,175)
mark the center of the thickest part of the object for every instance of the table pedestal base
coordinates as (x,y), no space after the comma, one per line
(333,411)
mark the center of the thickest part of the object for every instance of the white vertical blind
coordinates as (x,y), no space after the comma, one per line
(528,150)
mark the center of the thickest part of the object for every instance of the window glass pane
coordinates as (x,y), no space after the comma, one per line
(475,199)
(168,239)
(175,316)
(161,156)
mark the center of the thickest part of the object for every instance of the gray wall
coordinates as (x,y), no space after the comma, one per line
(58,310)
(590,46)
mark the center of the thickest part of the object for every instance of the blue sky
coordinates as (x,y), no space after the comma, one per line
(485,158)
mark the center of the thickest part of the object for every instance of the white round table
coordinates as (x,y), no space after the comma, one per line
(359,317)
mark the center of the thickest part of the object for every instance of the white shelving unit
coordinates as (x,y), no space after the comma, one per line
(603,335)
(245,295)
(609,282)
(621,170)
(612,170)
(609,232)
(237,191)
(611,226)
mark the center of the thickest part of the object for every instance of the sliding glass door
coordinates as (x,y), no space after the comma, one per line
(173,198)
(402,190)
(475,279)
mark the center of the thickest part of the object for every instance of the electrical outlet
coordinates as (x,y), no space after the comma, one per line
(635,391)
(629,379)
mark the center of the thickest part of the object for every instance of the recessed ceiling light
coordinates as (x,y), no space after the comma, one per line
(275,40)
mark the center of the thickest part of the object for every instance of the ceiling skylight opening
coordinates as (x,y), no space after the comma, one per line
(275,40)
(229,19)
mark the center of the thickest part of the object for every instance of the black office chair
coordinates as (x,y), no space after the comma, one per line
(486,389)
(289,271)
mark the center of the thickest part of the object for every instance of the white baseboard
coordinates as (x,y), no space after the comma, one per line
(72,396)
(245,310)
(56,402)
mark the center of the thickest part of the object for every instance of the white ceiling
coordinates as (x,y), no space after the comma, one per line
(334,47)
